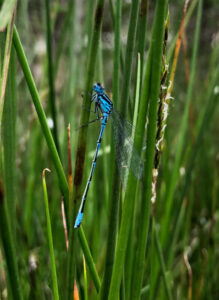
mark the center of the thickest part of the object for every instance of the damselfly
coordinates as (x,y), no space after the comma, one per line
(126,155)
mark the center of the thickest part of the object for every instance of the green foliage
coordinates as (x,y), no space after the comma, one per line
(126,248)
(6,13)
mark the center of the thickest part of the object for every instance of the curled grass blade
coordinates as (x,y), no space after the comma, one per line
(50,238)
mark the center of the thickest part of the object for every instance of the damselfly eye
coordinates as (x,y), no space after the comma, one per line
(100,85)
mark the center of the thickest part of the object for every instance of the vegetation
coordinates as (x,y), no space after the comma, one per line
(150,238)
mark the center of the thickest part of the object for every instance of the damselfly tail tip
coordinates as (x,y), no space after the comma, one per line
(78,220)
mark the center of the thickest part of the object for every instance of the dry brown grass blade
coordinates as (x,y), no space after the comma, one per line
(177,49)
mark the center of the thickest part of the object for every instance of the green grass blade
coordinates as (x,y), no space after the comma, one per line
(137,94)
(28,211)
(89,259)
(114,207)
(9,141)
(116,66)
(85,281)
(5,67)
(112,11)
(9,247)
(6,12)
(142,31)
(162,263)
(131,241)
(50,75)
(129,56)
(153,260)
(50,238)
(71,263)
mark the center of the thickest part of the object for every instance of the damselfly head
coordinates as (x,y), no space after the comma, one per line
(98,88)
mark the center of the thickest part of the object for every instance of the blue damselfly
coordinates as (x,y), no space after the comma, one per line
(126,155)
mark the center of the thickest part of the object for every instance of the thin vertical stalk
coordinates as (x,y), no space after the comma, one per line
(116,66)
(153,260)
(9,247)
(4,75)
(142,31)
(72,234)
(129,56)
(89,259)
(112,11)
(85,281)
(156,52)
(114,207)
(187,18)
(177,49)
(131,241)
(162,263)
(9,140)
(73,62)
(112,231)
(50,239)
(183,127)
(50,75)
(35,142)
